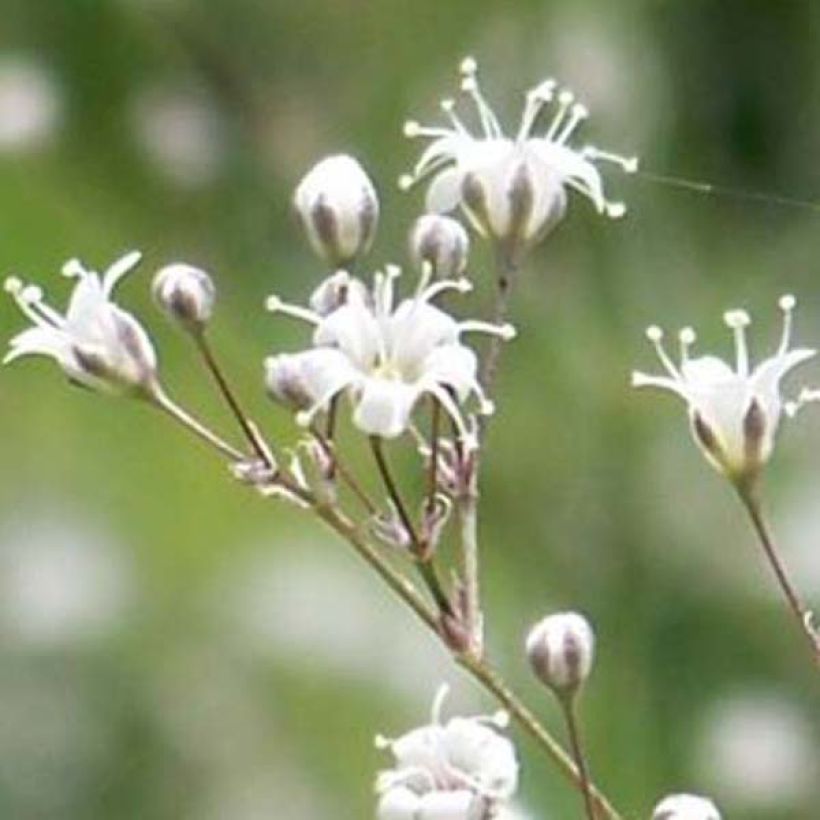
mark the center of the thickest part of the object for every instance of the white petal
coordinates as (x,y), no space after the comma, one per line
(399,803)
(454,366)
(455,805)
(706,371)
(571,166)
(384,407)
(444,193)
(119,269)
(323,372)
(43,341)
(354,330)
(414,330)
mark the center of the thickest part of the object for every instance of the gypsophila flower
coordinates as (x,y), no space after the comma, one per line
(96,343)
(734,413)
(339,209)
(685,807)
(512,188)
(187,294)
(384,357)
(463,769)
(442,243)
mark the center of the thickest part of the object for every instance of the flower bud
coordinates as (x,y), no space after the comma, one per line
(561,649)
(685,807)
(441,242)
(185,293)
(339,209)
(334,291)
(285,383)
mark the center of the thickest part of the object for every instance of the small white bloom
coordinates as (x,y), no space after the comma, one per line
(459,770)
(734,412)
(512,188)
(384,357)
(561,649)
(187,294)
(339,209)
(685,807)
(96,343)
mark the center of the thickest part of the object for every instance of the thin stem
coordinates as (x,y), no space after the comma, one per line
(467,512)
(346,476)
(432,477)
(506,271)
(479,669)
(423,562)
(248,427)
(568,705)
(160,399)
(493,683)
(801,612)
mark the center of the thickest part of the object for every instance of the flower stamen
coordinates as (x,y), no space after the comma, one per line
(276,305)
(655,336)
(738,321)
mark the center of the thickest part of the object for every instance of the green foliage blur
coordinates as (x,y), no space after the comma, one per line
(174,646)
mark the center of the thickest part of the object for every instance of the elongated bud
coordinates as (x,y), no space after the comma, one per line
(685,807)
(187,294)
(440,242)
(339,209)
(561,649)
(285,382)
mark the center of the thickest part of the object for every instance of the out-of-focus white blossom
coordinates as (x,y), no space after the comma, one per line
(757,748)
(463,769)
(96,343)
(384,357)
(29,104)
(685,807)
(182,133)
(513,188)
(339,209)
(734,413)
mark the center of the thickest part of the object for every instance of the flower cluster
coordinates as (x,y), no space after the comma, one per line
(385,356)
(462,769)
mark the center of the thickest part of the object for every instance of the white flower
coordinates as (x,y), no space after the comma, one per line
(459,770)
(685,807)
(734,412)
(440,242)
(384,356)
(187,294)
(96,343)
(339,209)
(511,188)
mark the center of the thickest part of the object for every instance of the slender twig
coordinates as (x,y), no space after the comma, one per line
(260,447)
(432,475)
(467,512)
(423,561)
(479,669)
(160,399)
(802,613)
(568,706)
(506,271)
(346,475)
(487,676)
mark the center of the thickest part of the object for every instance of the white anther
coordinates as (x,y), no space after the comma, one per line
(73,269)
(687,336)
(735,319)
(787,302)
(566,97)
(12,285)
(31,294)
(469,66)
(654,333)
(273,303)
(406,182)
(615,210)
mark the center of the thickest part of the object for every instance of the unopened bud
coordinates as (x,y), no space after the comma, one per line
(285,381)
(685,807)
(335,292)
(339,209)
(561,650)
(441,242)
(185,293)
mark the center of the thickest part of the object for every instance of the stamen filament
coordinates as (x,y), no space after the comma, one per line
(505,331)
(655,335)
(275,305)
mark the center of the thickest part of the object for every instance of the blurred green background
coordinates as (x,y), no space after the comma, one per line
(175,647)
